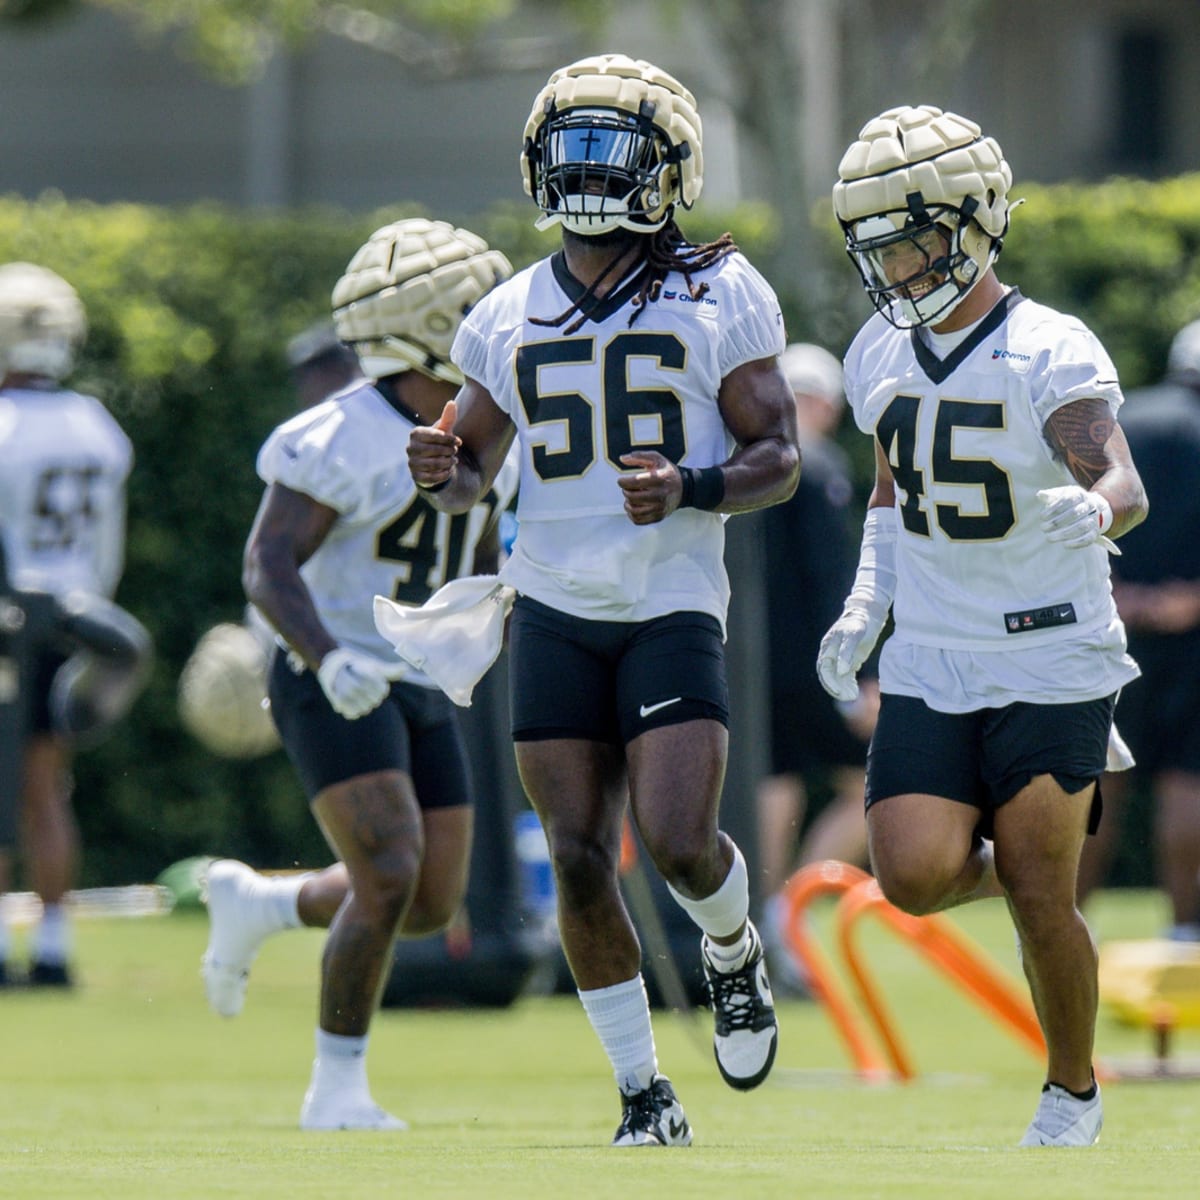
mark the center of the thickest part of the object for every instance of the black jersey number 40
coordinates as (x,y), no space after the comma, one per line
(431,545)
(621,404)
(897,435)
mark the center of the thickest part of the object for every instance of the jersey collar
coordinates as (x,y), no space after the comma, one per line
(387,389)
(600,310)
(940,369)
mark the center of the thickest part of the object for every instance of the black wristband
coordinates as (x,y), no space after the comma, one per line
(703,487)
(434,487)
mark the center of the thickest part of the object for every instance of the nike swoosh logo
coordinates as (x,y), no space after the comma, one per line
(676,1127)
(647,709)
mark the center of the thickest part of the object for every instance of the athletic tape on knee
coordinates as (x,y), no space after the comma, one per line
(722,913)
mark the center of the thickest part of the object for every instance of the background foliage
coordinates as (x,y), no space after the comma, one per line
(190,310)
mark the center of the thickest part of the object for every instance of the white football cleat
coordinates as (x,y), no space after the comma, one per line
(653,1117)
(746,1033)
(237,927)
(340,1110)
(1064,1120)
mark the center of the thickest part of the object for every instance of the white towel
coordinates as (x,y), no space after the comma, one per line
(455,636)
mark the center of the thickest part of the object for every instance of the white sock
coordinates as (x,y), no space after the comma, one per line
(620,1015)
(723,913)
(280,895)
(4,944)
(52,939)
(341,1063)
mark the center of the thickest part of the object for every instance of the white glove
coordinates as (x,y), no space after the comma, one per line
(353,683)
(852,637)
(1076,518)
(845,647)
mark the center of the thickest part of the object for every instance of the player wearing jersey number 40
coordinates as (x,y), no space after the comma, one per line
(642,419)
(1001,475)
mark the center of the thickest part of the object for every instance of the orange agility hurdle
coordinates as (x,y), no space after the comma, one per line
(806,885)
(943,945)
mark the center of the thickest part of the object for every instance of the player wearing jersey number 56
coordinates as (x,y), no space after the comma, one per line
(1001,476)
(380,756)
(638,374)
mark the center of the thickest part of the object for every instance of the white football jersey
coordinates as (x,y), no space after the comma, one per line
(62,491)
(975,572)
(581,400)
(349,452)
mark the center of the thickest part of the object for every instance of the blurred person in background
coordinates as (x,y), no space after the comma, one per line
(1156,584)
(637,373)
(376,744)
(1001,476)
(62,516)
(319,364)
(810,808)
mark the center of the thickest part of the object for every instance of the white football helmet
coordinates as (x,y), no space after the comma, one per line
(42,322)
(405,292)
(925,192)
(223,693)
(612,142)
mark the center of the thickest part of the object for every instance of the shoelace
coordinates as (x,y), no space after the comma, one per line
(736,1002)
(642,1111)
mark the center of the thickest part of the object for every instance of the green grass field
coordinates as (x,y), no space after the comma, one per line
(131,1088)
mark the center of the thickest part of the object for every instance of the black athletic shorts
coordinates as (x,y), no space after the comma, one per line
(45,668)
(609,681)
(1159,713)
(985,758)
(414,730)
(809,734)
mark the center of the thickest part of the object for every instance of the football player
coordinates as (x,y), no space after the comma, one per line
(1001,476)
(62,517)
(377,746)
(638,375)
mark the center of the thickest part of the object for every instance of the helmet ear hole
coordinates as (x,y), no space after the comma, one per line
(978,249)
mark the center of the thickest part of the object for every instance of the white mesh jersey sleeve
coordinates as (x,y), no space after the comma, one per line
(755,329)
(62,491)
(349,453)
(1072,366)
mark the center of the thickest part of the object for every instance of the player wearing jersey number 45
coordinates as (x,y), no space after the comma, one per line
(638,375)
(378,749)
(1000,476)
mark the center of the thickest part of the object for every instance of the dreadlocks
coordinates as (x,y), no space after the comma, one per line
(665,250)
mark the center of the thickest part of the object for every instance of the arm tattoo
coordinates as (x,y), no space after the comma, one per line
(1079,433)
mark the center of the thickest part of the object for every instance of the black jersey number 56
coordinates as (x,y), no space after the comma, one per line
(657,410)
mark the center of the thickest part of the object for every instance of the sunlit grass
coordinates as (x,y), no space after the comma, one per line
(131,1088)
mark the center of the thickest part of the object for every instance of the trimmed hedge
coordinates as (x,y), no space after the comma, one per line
(190,311)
